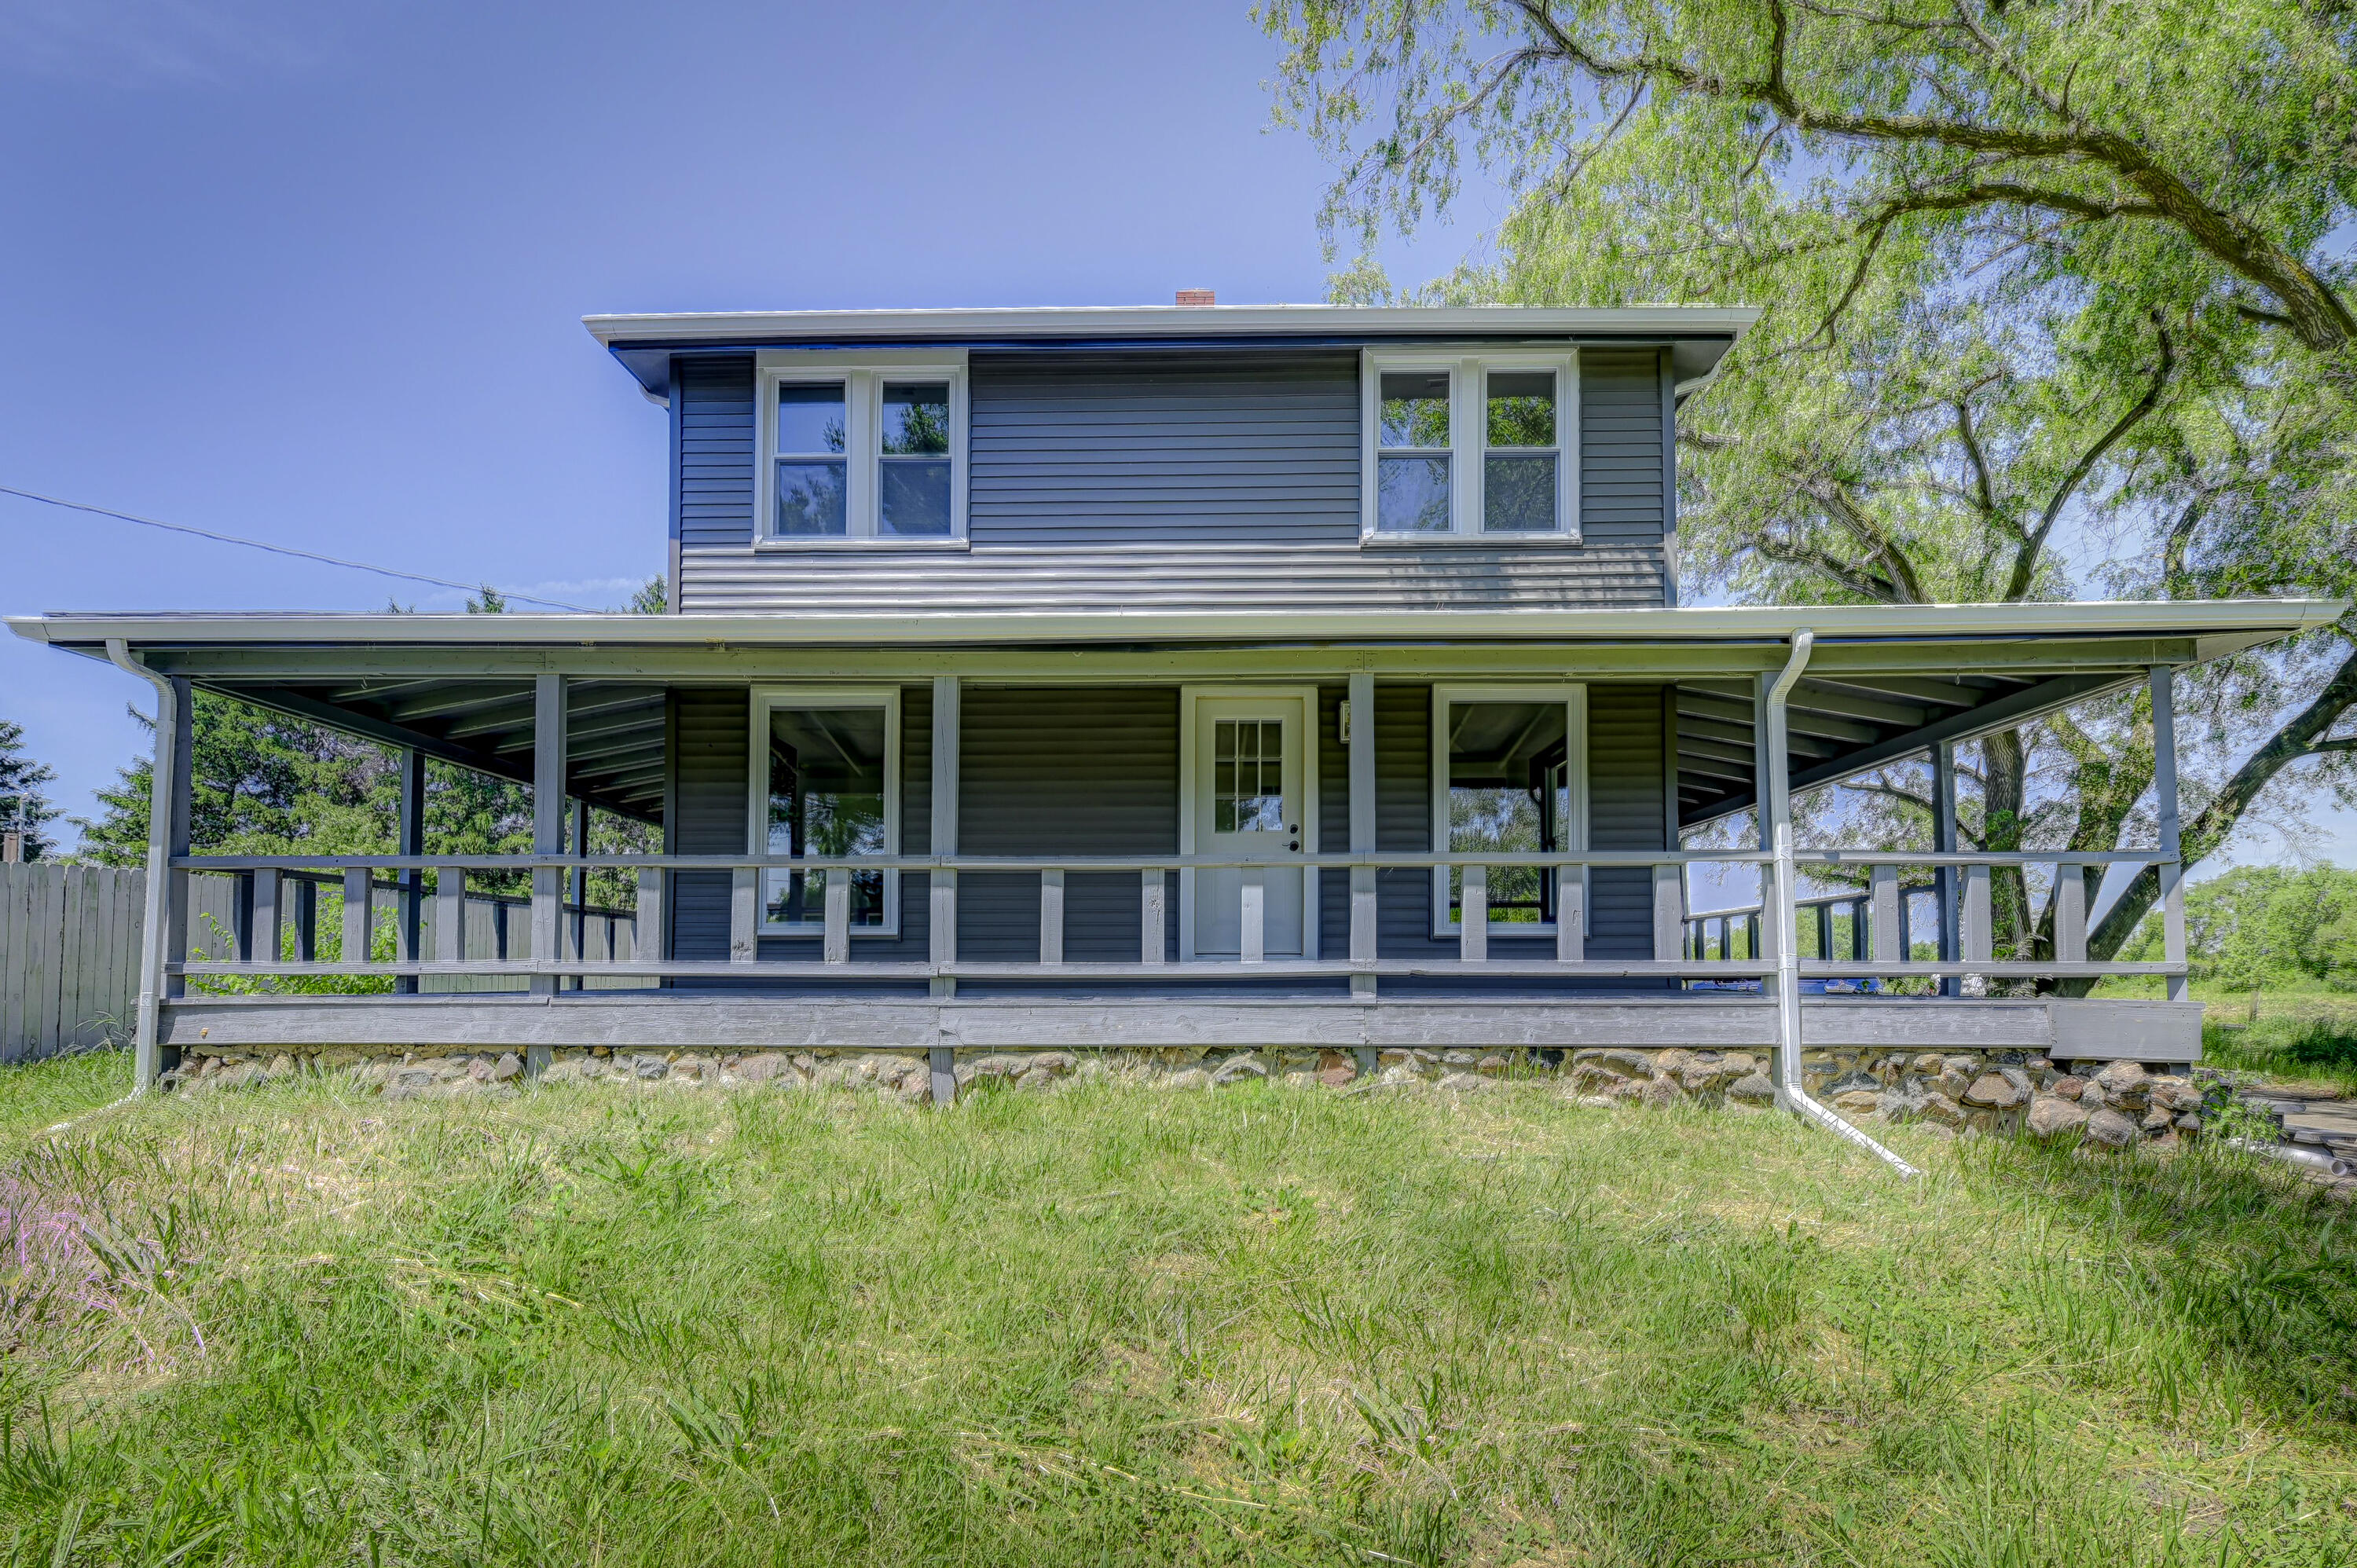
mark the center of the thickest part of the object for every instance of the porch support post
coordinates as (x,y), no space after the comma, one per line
(1944,842)
(164,916)
(577,928)
(2164,790)
(1362,828)
(412,895)
(941,922)
(547,823)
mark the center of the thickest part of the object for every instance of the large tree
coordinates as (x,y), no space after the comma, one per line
(23,805)
(2028,267)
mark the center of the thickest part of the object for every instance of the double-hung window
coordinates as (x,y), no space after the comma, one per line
(1462,447)
(866,451)
(826,784)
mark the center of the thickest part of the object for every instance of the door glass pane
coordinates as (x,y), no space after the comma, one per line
(1411,494)
(1521,408)
(1414,409)
(1518,493)
(812,499)
(1509,789)
(809,418)
(1248,776)
(826,798)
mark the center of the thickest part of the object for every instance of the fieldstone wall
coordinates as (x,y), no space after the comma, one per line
(1962,1091)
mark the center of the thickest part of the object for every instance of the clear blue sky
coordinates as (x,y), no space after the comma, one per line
(315,273)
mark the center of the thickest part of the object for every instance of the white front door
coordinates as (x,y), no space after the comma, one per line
(1249,800)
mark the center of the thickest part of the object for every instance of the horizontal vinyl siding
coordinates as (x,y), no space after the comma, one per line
(716,455)
(1168,447)
(1264,577)
(1625,810)
(1620,449)
(1064,770)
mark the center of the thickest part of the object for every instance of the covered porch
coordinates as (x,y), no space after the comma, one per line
(1051,857)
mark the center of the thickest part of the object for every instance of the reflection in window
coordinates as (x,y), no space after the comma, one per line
(1509,789)
(1519,471)
(1248,776)
(1412,462)
(826,799)
(915,500)
(812,481)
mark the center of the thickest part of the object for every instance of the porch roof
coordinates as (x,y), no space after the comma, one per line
(1883,683)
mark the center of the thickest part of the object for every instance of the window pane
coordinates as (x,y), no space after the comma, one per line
(1248,776)
(916,418)
(1518,493)
(1414,408)
(1411,495)
(809,418)
(1521,408)
(1508,790)
(811,500)
(826,798)
(916,498)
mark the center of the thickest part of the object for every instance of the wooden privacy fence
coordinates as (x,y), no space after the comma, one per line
(69,957)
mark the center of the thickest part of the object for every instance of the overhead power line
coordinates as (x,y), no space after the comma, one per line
(288,550)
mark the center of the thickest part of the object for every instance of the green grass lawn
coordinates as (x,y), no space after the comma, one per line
(1124,1326)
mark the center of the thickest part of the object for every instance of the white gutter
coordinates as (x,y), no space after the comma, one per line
(1790,1084)
(147,1051)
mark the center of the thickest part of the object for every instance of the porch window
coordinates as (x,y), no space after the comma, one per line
(1508,776)
(827,784)
(863,453)
(1464,448)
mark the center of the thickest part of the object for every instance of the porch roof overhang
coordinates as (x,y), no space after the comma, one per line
(1696,336)
(1883,683)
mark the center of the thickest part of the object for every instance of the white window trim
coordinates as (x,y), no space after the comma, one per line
(1575,699)
(1469,428)
(862,376)
(764,699)
(1191,802)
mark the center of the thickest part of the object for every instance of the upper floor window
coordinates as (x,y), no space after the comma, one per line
(1462,446)
(867,451)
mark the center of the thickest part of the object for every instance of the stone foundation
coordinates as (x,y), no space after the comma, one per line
(1963,1091)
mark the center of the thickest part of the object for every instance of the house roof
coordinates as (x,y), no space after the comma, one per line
(1698,335)
(1884,682)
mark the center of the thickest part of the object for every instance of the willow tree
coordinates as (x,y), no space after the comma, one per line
(2030,269)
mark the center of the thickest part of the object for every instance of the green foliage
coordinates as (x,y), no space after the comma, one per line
(653,598)
(1120,1326)
(2267,926)
(22,804)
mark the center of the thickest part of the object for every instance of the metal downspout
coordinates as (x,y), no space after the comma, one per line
(147,1055)
(1790,1083)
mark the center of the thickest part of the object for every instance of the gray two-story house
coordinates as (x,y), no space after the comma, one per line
(1293,680)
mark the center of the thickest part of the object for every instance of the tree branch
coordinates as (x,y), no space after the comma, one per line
(2025,564)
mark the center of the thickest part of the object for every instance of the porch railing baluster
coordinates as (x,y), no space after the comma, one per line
(1153,916)
(1669,911)
(1884,880)
(1570,914)
(1051,917)
(648,938)
(358,926)
(2070,914)
(1252,894)
(268,916)
(306,920)
(1979,936)
(1473,915)
(744,915)
(835,947)
(450,914)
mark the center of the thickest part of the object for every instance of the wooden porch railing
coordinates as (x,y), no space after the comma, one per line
(1674,953)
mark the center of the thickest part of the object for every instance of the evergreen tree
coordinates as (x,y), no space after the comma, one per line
(23,806)
(653,597)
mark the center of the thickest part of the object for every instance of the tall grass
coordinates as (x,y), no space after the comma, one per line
(2316,1047)
(1260,1325)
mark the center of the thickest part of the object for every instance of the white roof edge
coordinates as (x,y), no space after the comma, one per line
(2065,619)
(1167,321)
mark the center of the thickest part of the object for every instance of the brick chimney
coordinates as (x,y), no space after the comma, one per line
(1197,296)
